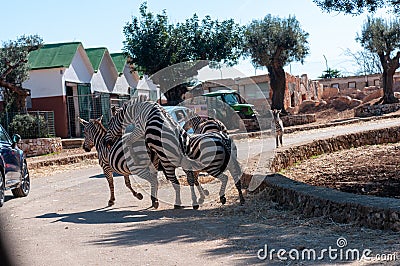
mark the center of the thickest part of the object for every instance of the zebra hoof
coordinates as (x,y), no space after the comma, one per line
(110,203)
(206,192)
(155,204)
(222,199)
(196,207)
(139,196)
(201,200)
(242,201)
(177,207)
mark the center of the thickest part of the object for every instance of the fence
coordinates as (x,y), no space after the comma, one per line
(90,106)
(33,124)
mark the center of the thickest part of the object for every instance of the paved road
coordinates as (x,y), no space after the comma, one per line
(64,221)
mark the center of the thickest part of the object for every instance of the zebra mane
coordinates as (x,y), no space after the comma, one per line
(99,123)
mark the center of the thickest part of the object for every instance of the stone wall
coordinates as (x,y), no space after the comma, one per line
(40,146)
(374,110)
(373,212)
(293,120)
(287,157)
(341,207)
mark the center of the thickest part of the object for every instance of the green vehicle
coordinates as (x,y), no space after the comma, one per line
(219,100)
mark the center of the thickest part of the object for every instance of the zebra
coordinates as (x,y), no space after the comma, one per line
(204,124)
(192,180)
(175,147)
(277,126)
(110,160)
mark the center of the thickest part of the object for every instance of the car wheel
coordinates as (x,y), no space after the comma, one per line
(2,188)
(25,186)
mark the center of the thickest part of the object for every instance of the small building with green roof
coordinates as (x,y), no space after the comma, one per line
(59,70)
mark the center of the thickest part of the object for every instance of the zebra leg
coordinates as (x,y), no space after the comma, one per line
(224,181)
(236,172)
(109,176)
(169,173)
(277,141)
(191,180)
(138,195)
(280,139)
(202,191)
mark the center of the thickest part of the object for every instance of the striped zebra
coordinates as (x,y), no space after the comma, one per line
(204,124)
(175,147)
(113,160)
(277,126)
(192,179)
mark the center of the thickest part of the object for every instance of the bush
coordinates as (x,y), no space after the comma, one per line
(29,126)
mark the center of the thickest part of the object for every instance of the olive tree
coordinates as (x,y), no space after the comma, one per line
(382,37)
(356,7)
(14,70)
(275,42)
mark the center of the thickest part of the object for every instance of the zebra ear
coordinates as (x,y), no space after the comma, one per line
(82,121)
(99,119)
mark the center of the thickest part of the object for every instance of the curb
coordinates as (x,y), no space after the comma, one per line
(62,161)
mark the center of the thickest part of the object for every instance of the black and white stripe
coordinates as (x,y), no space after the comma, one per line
(111,160)
(175,147)
(277,126)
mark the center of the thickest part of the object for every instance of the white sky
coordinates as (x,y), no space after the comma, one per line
(100,23)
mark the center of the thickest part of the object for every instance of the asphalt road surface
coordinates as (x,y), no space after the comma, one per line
(65,221)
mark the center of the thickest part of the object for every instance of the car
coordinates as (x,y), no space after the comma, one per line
(14,172)
(179,114)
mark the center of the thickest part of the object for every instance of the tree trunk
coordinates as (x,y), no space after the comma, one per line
(388,93)
(21,92)
(278,87)
(389,68)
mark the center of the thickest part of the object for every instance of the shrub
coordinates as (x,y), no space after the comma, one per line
(29,126)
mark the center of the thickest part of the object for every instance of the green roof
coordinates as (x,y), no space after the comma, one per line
(119,60)
(95,56)
(53,55)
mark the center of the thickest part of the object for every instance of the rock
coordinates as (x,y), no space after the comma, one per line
(397,94)
(307,105)
(374,95)
(341,103)
(355,103)
(329,92)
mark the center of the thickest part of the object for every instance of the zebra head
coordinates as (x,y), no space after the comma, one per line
(275,114)
(92,130)
(115,125)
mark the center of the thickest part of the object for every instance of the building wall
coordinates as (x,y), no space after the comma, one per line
(80,70)
(45,82)
(105,78)
(59,106)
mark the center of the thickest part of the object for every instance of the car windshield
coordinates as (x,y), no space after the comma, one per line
(230,99)
(3,135)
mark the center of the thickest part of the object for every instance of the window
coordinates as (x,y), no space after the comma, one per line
(376,82)
(352,85)
(4,136)
(335,85)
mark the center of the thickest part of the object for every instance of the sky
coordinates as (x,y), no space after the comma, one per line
(100,24)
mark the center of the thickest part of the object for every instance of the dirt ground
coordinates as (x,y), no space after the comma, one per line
(370,170)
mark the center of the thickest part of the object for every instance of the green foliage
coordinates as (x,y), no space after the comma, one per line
(14,58)
(380,36)
(356,7)
(276,41)
(153,43)
(14,69)
(330,73)
(29,126)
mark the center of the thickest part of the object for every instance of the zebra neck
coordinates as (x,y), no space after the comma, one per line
(99,139)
